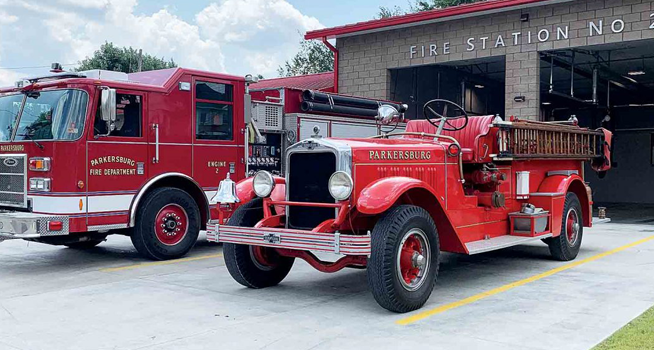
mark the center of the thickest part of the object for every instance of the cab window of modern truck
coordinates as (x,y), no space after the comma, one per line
(129,114)
(214,111)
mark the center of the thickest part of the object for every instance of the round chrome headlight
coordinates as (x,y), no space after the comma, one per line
(263,184)
(340,185)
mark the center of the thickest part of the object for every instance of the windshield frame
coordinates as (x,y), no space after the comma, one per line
(20,115)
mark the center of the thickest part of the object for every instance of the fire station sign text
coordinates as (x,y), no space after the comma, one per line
(595,28)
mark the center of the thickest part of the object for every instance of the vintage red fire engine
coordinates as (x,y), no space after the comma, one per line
(393,203)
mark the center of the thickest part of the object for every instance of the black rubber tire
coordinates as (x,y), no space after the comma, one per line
(91,243)
(145,239)
(559,246)
(386,237)
(239,259)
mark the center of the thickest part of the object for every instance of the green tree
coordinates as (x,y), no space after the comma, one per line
(387,12)
(126,59)
(314,57)
(419,6)
(438,4)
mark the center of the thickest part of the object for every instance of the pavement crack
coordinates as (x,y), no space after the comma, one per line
(8,312)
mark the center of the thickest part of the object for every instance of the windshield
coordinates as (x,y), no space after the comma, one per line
(9,109)
(47,115)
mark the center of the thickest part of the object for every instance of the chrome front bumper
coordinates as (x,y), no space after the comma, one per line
(290,239)
(18,225)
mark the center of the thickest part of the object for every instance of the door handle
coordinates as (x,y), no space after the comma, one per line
(155,127)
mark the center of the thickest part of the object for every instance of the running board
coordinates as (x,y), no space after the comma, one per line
(501,242)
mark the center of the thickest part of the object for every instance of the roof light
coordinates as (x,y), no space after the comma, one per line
(637,73)
(479,86)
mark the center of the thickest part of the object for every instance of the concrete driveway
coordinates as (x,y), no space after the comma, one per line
(109,298)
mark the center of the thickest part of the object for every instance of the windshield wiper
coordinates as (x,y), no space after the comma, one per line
(29,137)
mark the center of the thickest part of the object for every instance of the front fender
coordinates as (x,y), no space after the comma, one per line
(380,195)
(245,190)
(561,184)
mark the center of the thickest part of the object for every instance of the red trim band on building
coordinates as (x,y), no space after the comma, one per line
(478,8)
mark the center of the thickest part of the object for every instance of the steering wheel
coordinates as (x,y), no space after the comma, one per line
(437,112)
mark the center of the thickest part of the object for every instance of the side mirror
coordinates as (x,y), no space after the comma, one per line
(108,105)
(108,108)
(387,115)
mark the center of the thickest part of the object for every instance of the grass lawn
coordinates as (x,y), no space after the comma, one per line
(639,334)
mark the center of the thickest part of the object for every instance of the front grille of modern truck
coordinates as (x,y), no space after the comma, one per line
(13,180)
(308,177)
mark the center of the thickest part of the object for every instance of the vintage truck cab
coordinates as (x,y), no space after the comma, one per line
(393,203)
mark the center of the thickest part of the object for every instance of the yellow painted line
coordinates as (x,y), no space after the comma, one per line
(160,263)
(428,313)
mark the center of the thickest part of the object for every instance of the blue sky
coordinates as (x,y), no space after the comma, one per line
(232,36)
(330,13)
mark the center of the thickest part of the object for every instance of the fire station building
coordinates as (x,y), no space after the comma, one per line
(533,59)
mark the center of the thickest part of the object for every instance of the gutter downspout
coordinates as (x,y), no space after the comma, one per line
(335,51)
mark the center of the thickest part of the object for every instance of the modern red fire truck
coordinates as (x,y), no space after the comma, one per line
(393,203)
(84,155)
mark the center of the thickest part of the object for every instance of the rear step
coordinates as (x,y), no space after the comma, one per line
(488,245)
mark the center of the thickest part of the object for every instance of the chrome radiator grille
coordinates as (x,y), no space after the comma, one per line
(307,182)
(13,180)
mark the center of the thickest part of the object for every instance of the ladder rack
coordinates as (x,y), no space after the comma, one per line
(539,140)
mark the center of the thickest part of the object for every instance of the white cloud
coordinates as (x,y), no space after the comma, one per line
(234,36)
(93,4)
(6,18)
(240,20)
(9,77)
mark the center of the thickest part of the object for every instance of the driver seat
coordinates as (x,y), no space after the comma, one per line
(468,137)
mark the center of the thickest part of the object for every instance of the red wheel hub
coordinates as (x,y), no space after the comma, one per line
(572,226)
(171,224)
(264,258)
(413,259)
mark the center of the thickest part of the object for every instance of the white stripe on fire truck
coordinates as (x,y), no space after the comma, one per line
(71,205)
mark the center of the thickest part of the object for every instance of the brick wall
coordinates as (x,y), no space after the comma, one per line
(365,60)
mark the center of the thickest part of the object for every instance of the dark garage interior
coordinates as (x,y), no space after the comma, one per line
(477,85)
(610,86)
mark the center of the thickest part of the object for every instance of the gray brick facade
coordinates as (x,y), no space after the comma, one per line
(365,60)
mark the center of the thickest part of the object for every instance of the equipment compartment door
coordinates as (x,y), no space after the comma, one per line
(116,163)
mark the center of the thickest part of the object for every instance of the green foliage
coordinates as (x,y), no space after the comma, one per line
(314,57)
(113,58)
(437,4)
(419,6)
(387,12)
